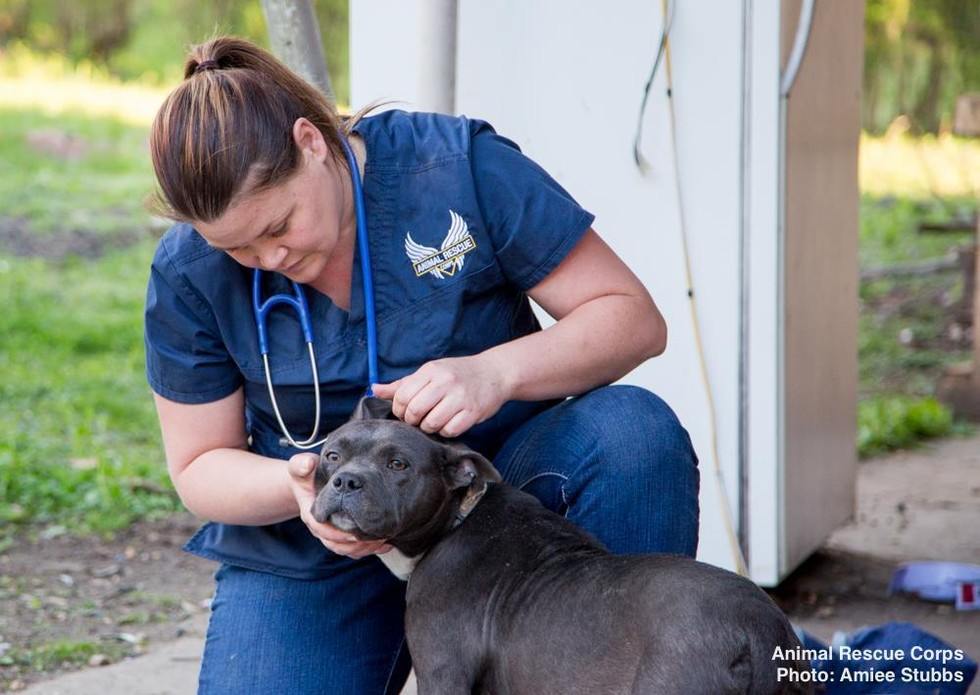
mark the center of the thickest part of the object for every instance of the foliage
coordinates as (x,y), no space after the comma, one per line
(893,422)
(147,39)
(918,57)
(890,228)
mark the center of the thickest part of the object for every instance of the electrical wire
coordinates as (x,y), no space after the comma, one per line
(664,53)
(638,157)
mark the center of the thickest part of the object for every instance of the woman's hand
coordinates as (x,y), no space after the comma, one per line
(301,467)
(448,396)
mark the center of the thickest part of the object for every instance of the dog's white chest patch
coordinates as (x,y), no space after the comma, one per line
(399,563)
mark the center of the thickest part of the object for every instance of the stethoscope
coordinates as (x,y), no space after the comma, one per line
(298,302)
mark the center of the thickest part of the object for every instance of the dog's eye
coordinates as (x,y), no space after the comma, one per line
(332,456)
(397,465)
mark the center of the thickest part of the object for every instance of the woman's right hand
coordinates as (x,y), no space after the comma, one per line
(301,468)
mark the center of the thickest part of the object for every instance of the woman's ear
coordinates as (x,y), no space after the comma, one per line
(308,138)
(466,468)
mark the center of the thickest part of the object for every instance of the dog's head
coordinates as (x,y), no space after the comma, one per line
(381,478)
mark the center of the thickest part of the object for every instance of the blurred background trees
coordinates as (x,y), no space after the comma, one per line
(919,56)
(146,40)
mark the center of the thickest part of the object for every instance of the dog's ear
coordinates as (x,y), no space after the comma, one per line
(466,468)
(372,408)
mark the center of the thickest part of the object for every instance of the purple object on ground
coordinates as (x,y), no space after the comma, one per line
(933,581)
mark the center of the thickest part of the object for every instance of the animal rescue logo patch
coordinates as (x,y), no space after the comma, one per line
(447,259)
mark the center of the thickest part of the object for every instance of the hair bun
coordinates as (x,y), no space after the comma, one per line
(209,64)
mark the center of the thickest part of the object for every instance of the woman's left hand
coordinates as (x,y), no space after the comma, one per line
(448,396)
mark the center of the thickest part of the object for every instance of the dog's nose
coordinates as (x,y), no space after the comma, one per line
(348,482)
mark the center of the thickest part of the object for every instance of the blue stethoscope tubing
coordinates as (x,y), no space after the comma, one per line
(298,302)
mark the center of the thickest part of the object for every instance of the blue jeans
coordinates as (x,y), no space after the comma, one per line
(615,461)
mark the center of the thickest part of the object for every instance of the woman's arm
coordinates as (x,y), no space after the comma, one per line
(218,479)
(215,475)
(607,324)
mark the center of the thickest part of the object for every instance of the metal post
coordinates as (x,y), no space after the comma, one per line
(437,55)
(294,34)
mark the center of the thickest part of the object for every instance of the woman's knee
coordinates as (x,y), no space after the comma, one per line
(639,488)
(634,424)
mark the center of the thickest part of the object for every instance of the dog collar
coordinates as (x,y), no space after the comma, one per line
(402,566)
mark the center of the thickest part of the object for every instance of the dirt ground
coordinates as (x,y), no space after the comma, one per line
(17,239)
(66,603)
(140,592)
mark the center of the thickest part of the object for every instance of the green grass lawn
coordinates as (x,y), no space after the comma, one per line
(80,447)
(73,172)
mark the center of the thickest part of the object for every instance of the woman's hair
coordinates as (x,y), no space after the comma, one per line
(230,124)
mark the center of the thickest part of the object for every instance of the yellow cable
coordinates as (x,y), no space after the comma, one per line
(727,518)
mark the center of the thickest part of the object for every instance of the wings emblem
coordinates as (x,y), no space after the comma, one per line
(447,259)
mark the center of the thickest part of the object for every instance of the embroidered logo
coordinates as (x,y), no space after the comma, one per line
(447,259)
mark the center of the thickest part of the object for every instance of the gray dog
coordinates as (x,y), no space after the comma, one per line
(507,597)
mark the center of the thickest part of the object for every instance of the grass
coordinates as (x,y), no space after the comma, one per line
(80,449)
(79,445)
(73,172)
(74,152)
(907,330)
(889,228)
(896,422)
(906,335)
(61,653)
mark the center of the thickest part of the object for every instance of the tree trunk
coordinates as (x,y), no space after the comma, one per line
(926,112)
(294,34)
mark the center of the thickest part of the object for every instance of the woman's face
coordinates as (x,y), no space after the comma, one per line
(294,227)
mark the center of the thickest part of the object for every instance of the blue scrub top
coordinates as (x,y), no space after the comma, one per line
(432,183)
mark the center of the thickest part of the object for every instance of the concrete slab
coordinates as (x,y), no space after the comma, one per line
(168,669)
(918,505)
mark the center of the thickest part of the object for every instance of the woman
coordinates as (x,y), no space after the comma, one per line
(251,162)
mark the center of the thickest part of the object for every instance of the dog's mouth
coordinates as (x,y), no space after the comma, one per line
(332,510)
(353,514)
(343,520)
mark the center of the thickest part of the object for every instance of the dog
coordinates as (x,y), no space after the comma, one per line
(507,597)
